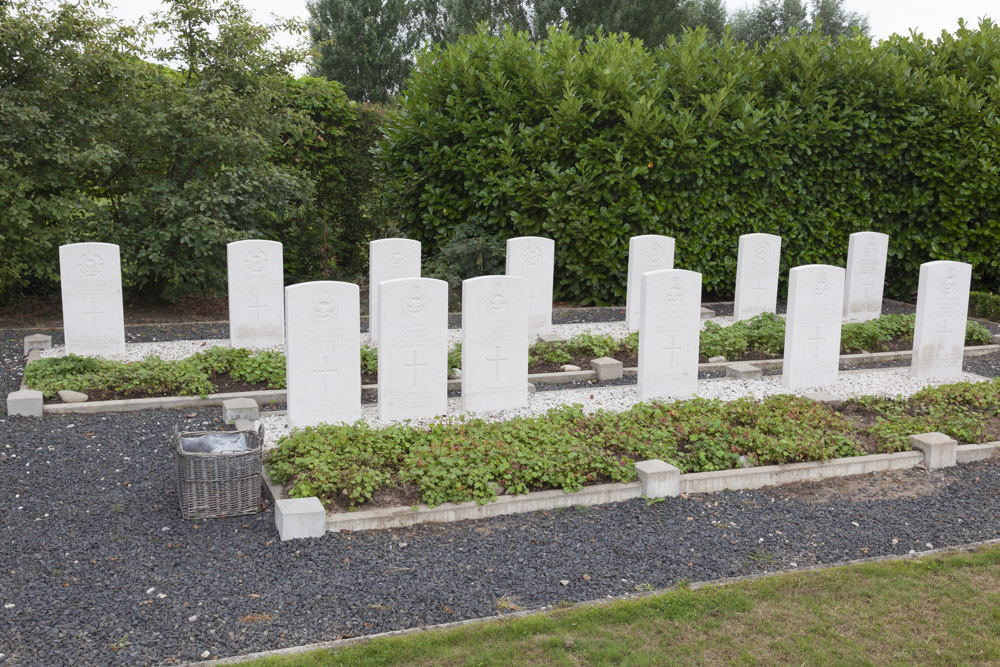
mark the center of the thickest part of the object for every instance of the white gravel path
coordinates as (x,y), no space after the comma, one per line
(884,382)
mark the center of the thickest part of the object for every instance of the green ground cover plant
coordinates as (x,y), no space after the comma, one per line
(154,376)
(858,615)
(470,459)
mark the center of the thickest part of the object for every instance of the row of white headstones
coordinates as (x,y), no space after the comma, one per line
(318,322)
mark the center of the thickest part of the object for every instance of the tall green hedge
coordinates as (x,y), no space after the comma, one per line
(593,142)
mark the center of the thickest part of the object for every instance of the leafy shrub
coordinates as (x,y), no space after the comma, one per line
(984,305)
(592,142)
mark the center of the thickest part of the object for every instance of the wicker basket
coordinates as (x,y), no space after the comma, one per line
(211,485)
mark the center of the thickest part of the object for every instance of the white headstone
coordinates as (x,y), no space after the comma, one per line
(256,293)
(533,257)
(669,332)
(494,343)
(323,353)
(756,275)
(93,316)
(650,252)
(942,310)
(866,256)
(389,259)
(412,348)
(812,328)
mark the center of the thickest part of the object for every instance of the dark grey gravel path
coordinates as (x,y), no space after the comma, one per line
(90,524)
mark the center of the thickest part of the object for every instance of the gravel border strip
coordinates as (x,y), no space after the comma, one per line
(597,602)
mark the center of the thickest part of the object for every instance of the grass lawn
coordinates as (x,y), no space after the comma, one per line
(942,610)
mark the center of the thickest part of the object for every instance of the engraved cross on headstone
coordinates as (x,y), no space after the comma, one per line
(497,360)
(93,315)
(415,365)
(868,285)
(326,376)
(818,339)
(945,330)
(258,308)
(757,290)
(671,349)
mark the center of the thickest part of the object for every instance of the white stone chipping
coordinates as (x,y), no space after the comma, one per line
(886,382)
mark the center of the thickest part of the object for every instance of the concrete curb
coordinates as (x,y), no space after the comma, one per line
(279,395)
(337,644)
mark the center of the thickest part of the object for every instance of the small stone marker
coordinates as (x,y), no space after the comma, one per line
(866,257)
(744,370)
(607,368)
(812,328)
(323,353)
(389,259)
(37,342)
(939,450)
(533,257)
(256,293)
(942,310)
(756,275)
(669,331)
(297,518)
(239,408)
(649,252)
(494,343)
(25,402)
(93,316)
(413,348)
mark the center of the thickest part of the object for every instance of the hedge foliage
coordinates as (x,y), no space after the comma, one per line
(171,163)
(590,143)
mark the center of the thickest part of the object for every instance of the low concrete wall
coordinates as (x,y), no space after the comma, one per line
(400,517)
(756,478)
(165,402)
(690,483)
(970,453)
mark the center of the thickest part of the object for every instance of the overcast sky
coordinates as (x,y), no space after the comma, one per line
(887,16)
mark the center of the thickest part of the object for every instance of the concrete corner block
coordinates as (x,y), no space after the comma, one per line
(296,518)
(551,338)
(741,370)
(659,479)
(939,450)
(607,368)
(26,403)
(244,424)
(239,408)
(531,388)
(707,313)
(995,339)
(37,342)
(826,398)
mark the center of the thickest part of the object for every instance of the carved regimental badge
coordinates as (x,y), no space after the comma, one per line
(821,286)
(675,292)
(654,255)
(255,261)
(90,265)
(532,255)
(949,282)
(323,309)
(415,302)
(498,300)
